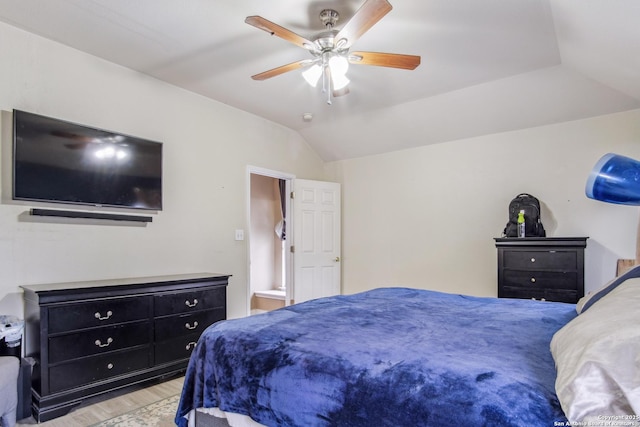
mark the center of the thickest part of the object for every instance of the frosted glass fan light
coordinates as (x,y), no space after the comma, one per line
(312,74)
(339,81)
(339,65)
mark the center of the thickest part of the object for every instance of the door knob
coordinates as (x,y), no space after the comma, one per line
(337,259)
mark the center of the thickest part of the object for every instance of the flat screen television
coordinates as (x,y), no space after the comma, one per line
(63,162)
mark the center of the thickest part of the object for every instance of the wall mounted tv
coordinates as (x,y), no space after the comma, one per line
(62,162)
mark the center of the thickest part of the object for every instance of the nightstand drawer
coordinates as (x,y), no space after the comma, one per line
(185,302)
(98,341)
(557,295)
(175,349)
(540,279)
(98,313)
(543,260)
(186,324)
(92,369)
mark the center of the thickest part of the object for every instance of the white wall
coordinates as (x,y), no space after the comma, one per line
(207,147)
(427,217)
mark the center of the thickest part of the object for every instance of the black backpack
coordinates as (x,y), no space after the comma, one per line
(531,207)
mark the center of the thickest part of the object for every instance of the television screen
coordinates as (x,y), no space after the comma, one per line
(59,161)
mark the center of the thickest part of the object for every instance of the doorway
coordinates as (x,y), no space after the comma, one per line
(269,256)
(278,275)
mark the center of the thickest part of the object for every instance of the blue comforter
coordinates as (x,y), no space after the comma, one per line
(386,357)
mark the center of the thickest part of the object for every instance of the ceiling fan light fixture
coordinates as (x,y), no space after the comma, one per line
(339,81)
(312,74)
(339,65)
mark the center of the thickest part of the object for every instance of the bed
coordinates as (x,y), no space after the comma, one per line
(409,357)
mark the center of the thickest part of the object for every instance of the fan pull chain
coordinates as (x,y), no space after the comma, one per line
(326,82)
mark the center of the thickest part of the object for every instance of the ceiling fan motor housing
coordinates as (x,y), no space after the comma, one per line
(326,41)
(329,17)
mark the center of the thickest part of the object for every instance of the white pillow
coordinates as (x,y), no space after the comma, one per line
(592,297)
(597,357)
(585,299)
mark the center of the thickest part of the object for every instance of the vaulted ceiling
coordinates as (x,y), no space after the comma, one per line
(487,65)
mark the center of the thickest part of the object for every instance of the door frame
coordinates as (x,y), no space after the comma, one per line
(255,170)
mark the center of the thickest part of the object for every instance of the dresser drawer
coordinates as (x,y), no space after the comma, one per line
(540,279)
(547,260)
(186,324)
(98,313)
(175,349)
(96,368)
(185,302)
(557,295)
(99,341)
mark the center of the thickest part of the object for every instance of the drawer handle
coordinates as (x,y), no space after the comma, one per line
(191,304)
(100,317)
(533,260)
(110,366)
(99,343)
(190,346)
(533,280)
(188,326)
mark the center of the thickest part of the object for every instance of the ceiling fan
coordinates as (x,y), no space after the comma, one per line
(331,48)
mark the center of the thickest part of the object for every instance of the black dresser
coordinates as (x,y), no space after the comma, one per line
(89,338)
(542,268)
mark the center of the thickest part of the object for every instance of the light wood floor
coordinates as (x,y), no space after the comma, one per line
(108,406)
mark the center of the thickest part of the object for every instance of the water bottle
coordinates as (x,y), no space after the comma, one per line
(521,227)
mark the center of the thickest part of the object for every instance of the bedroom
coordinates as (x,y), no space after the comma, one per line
(406,214)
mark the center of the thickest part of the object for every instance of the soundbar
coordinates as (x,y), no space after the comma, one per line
(90,215)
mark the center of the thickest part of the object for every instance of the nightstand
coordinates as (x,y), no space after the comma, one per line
(541,268)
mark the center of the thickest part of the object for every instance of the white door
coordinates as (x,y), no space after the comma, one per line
(316,239)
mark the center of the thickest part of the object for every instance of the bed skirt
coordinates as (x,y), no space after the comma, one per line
(214,417)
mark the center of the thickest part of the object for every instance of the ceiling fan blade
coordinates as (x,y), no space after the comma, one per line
(392,60)
(281,70)
(366,17)
(277,30)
